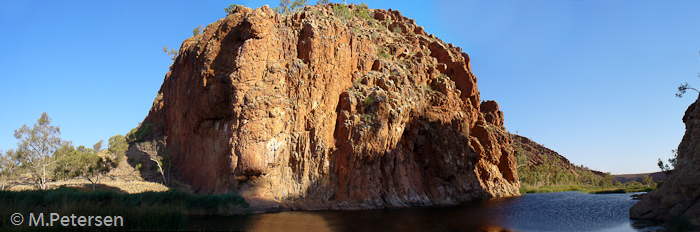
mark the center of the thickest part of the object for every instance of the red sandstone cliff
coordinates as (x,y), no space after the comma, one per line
(679,196)
(312,110)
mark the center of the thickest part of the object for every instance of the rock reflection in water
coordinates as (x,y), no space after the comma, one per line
(301,221)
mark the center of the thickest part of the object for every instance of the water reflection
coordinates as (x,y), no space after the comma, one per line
(306,221)
(567,211)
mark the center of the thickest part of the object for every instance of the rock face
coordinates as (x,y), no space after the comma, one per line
(325,110)
(679,196)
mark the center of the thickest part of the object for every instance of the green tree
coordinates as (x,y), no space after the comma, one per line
(633,184)
(617,183)
(647,181)
(117,147)
(521,157)
(8,168)
(38,149)
(298,5)
(172,53)
(682,88)
(287,6)
(98,146)
(665,168)
(322,2)
(197,30)
(549,168)
(83,163)
(607,180)
(151,148)
(230,8)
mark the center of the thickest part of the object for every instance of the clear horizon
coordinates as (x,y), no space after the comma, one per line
(592,80)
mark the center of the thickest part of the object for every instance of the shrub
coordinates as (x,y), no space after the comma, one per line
(197,30)
(381,53)
(363,11)
(139,133)
(230,8)
(287,7)
(342,12)
(172,53)
(117,147)
(387,23)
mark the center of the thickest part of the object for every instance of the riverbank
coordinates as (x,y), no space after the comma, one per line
(583,189)
(168,210)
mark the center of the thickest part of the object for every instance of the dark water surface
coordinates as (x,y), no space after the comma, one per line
(563,211)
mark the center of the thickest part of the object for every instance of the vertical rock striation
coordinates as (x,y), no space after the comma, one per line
(680,194)
(317,110)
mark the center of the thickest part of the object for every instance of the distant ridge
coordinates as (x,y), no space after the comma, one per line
(655,176)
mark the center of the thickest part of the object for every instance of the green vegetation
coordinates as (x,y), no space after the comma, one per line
(322,2)
(387,23)
(8,168)
(139,133)
(342,12)
(363,12)
(117,147)
(549,189)
(230,8)
(197,30)
(161,159)
(622,190)
(368,101)
(549,174)
(664,167)
(382,53)
(39,149)
(45,157)
(142,211)
(397,30)
(584,189)
(83,163)
(682,88)
(172,53)
(287,7)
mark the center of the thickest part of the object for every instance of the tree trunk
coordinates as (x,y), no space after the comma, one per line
(43,178)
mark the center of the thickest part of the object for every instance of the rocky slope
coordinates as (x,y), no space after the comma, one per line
(331,108)
(536,153)
(679,196)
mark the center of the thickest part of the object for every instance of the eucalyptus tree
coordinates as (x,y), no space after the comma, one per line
(38,149)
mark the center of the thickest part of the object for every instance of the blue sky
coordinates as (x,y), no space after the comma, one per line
(593,80)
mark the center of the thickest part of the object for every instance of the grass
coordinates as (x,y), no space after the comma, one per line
(623,190)
(166,210)
(381,53)
(583,189)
